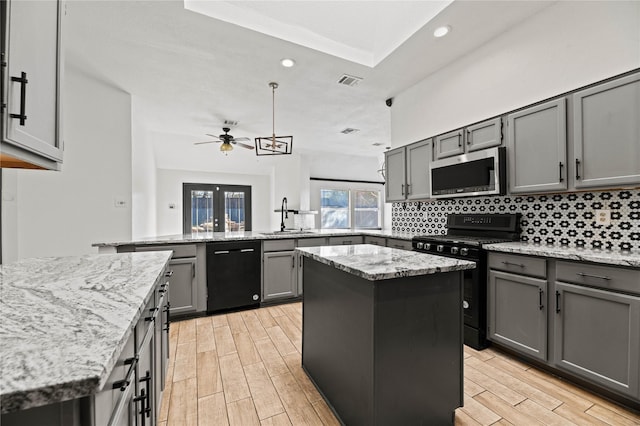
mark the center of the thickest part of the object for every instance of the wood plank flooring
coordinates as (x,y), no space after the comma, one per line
(244,369)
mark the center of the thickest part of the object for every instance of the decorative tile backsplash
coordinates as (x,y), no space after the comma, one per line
(561,219)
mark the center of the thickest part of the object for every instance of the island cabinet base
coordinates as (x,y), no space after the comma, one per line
(385,352)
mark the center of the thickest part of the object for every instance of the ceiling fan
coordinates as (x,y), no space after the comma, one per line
(227,140)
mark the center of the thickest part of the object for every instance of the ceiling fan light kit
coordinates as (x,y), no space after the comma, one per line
(274,145)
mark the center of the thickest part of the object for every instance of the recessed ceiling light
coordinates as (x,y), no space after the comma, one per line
(442,31)
(287,62)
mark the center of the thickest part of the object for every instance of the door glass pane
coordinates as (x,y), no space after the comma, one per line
(367,209)
(234,211)
(201,211)
(334,208)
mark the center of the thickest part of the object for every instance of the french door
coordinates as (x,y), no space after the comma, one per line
(216,208)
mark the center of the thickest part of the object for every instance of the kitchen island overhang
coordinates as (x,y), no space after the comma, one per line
(382,333)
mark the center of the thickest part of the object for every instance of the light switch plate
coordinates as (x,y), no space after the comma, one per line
(603,217)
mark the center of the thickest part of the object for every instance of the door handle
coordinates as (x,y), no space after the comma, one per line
(293,262)
(193,270)
(408,188)
(577,169)
(468,137)
(557,302)
(540,304)
(560,171)
(23,97)
(459,139)
(402,189)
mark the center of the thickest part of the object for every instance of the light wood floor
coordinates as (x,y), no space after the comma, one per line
(244,369)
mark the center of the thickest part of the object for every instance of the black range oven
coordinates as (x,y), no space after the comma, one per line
(466,234)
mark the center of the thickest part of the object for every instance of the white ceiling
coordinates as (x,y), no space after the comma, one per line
(187,72)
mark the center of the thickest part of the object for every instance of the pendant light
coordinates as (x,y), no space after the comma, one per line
(274,145)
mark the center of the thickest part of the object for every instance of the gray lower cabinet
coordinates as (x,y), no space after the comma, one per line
(536,147)
(280,277)
(606,134)
(346,240)
(378,241)
(399,243)
(307,242)
(597,336)
(517,312)
(183,286)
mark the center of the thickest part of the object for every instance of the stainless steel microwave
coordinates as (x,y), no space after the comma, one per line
(467,175)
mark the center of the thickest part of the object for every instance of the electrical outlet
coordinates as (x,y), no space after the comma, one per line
(119,202)
(603,217)
(172,205)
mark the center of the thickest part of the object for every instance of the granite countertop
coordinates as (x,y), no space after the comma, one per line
(204,237)
(608,257)
(65,320)
(376,263)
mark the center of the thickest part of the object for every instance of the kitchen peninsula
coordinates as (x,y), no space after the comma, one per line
(382,333)
(82,337)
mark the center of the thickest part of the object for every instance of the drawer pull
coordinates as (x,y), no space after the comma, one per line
(600,277)
(504,262)
(221,252)
(247,250)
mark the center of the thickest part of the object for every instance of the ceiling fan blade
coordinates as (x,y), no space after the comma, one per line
(201,143)
(242,139)
(244,145)
(213,136)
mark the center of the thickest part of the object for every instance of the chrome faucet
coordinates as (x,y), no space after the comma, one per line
(283,213)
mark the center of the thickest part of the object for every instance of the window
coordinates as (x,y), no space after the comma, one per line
(216,208)
(350,208)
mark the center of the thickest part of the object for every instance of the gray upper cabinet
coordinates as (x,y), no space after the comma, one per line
(596,336)
(606,140)
(395,175)
(418,180)
(449,144)
(536,146)
(407,171)
(484,135)
(31,127)
(471,138)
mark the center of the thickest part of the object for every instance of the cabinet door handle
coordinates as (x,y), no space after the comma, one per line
(169,273)
(142,398)
(408,188)
(459,139)
(23,98)
(513,264)
(122,384)
(468,137)
(293,261)
(557,302)
(402,189)
(560,171)
(600,277)
(540,304)
(577,169)
(193,270)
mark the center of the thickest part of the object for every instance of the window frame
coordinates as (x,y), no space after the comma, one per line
(317,185)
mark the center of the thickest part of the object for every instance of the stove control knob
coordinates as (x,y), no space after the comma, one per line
(464,251)
(440,248)
(454,250)
(419,245)
(427,246)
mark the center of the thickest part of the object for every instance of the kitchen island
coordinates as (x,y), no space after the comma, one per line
(67,326)
(382,333)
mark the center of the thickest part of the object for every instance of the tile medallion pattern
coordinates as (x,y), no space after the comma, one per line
(559,219)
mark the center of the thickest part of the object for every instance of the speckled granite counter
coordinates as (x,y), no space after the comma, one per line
(64,322)
(204,237)
(380,263)
(620,258)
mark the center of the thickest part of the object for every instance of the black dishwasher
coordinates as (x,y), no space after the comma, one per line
(233,275)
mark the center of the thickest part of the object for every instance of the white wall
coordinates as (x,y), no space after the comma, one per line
(565,46)
(63,213)
(143,179)
(169,191)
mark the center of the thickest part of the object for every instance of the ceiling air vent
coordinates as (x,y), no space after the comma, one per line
(349,80)
(377,144)
(230,123)
(349,130)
